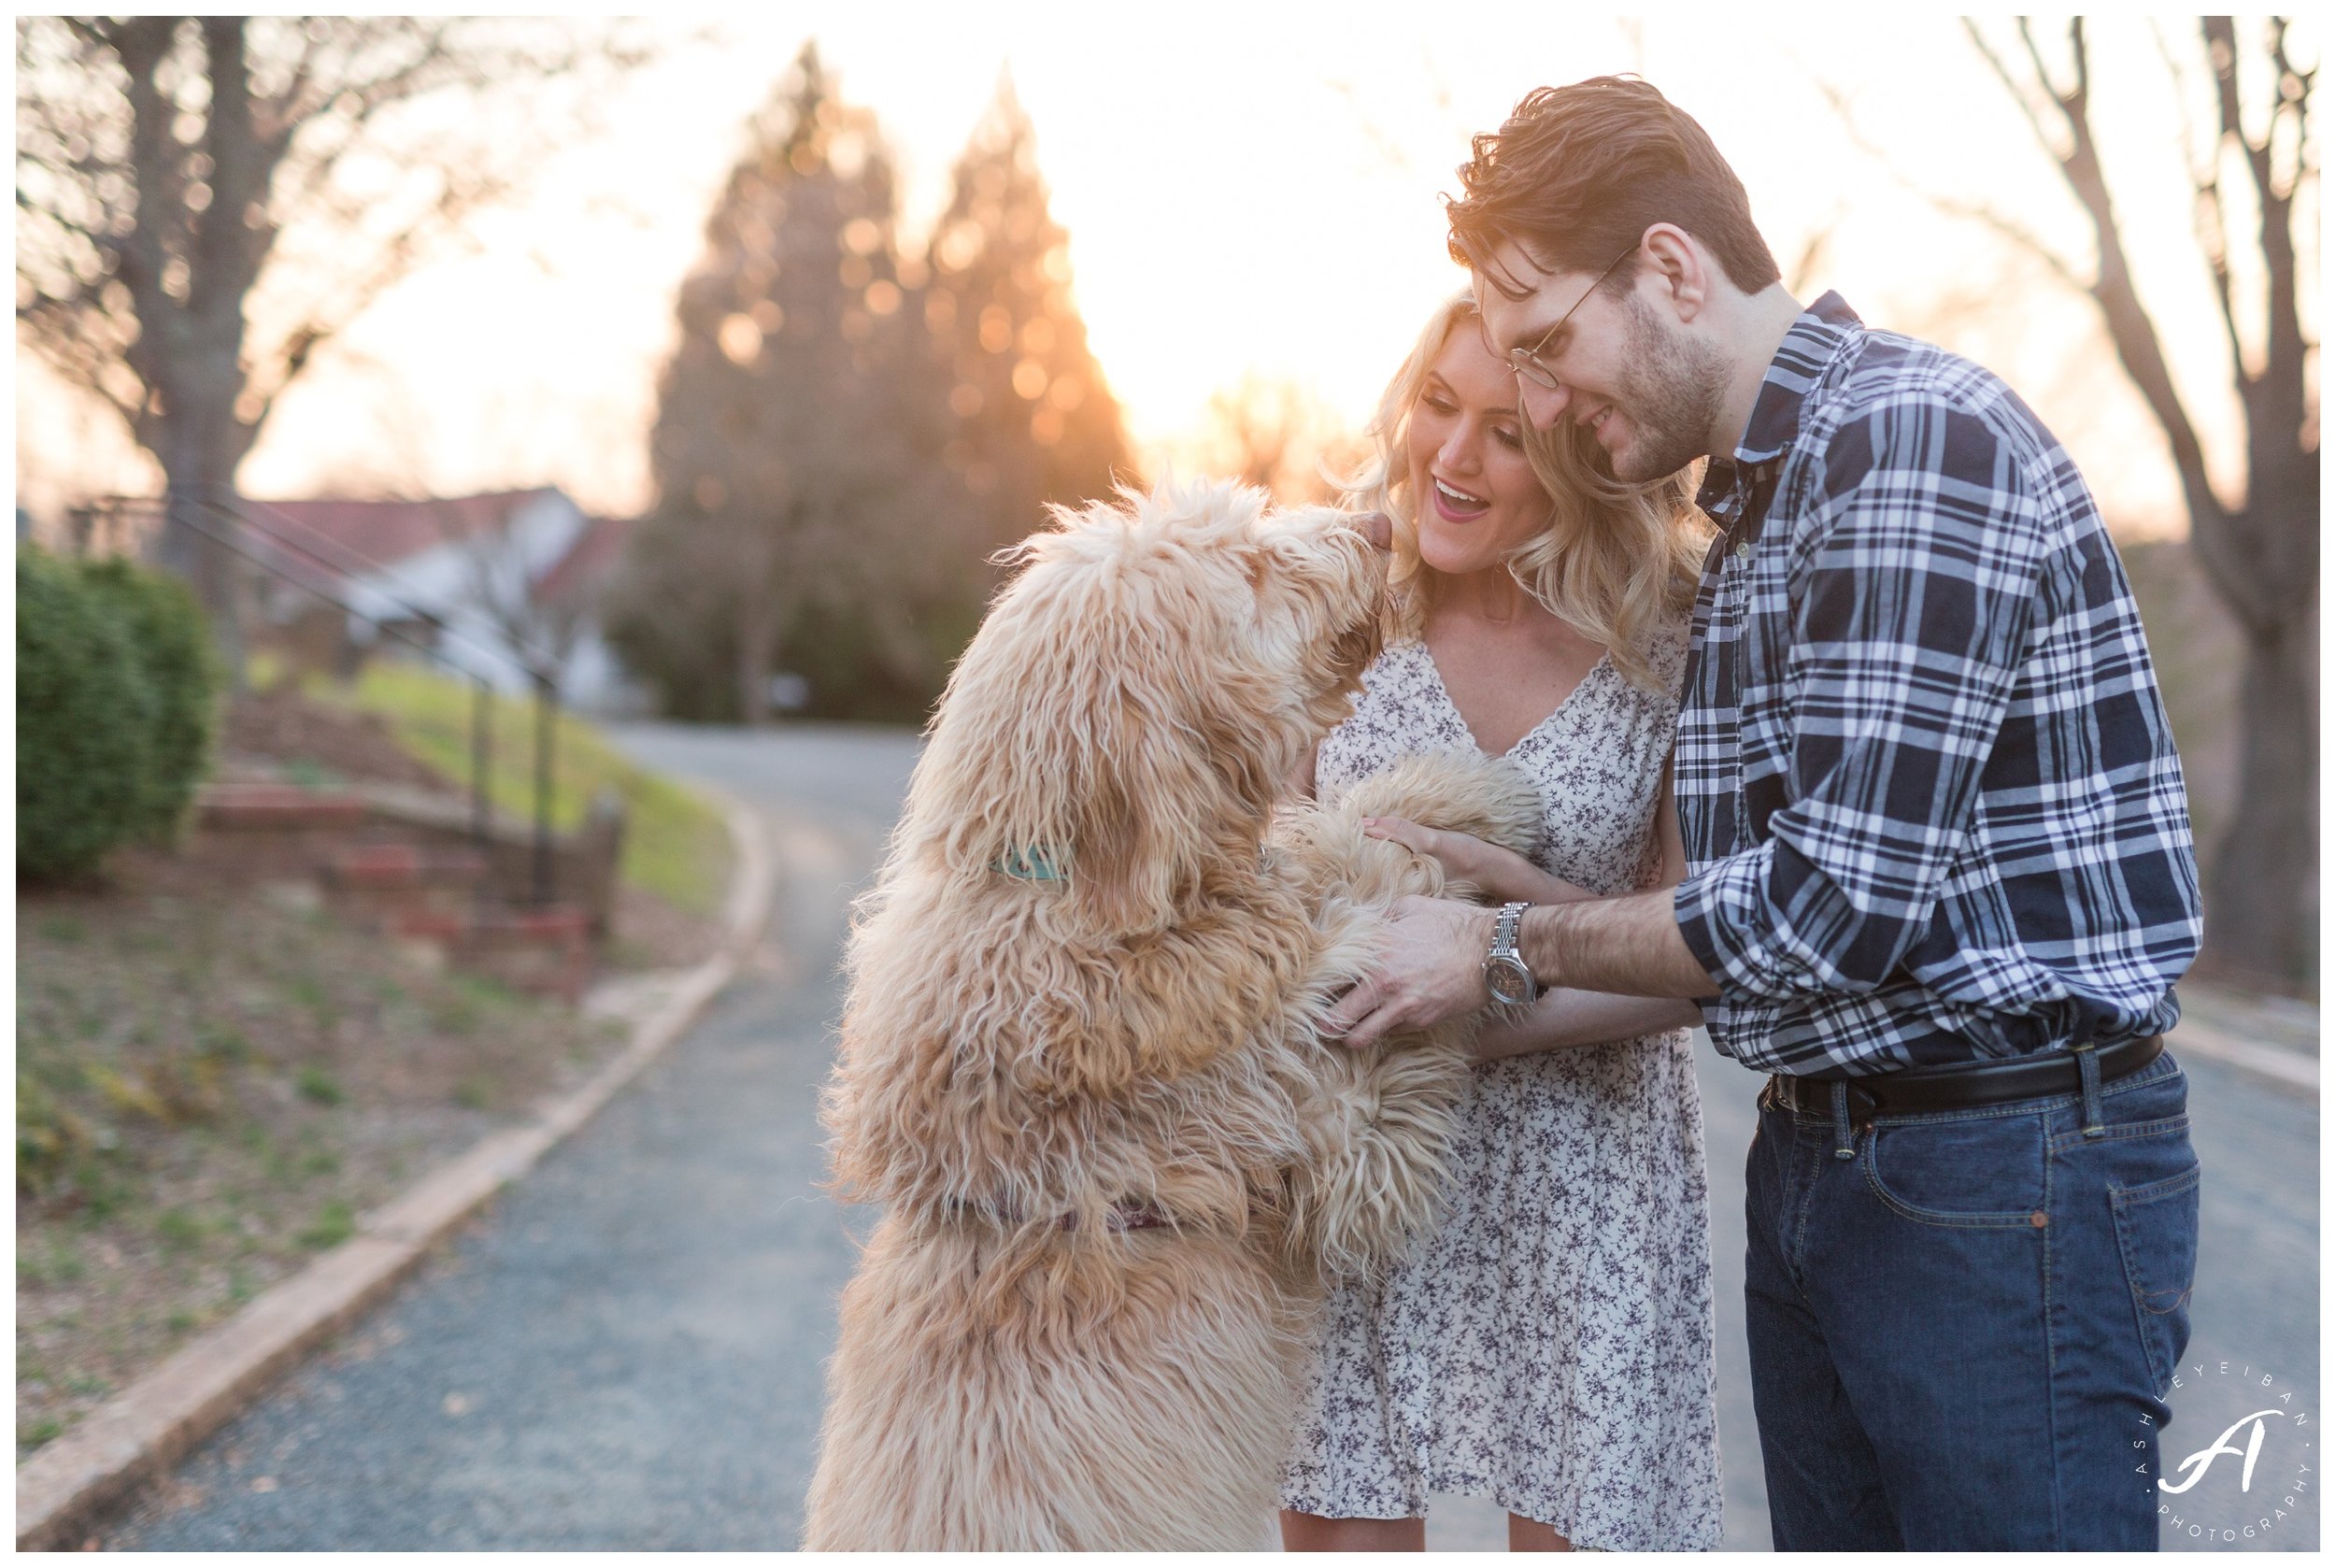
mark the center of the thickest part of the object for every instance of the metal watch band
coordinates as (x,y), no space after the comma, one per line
(1507,976)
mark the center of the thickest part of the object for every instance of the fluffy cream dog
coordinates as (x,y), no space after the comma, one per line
(1081,1068)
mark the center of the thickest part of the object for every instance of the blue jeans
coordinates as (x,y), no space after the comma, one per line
(1962,1331)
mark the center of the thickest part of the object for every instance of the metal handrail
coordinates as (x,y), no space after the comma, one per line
(536,660)
(538,666)
(539,672)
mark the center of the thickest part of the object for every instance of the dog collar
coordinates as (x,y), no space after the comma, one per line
(1030,865)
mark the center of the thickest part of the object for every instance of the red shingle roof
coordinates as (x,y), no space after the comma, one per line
(388,532)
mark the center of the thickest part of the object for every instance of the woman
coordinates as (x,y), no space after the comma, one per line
(1550,1348)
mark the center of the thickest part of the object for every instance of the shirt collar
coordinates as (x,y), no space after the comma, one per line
(1816,335)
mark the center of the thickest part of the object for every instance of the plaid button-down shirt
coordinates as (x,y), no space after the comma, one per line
(1931,802)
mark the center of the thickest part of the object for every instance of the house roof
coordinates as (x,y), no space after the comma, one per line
(389,532)
(589,561)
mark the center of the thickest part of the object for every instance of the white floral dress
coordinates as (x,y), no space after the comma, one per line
(1550,1348)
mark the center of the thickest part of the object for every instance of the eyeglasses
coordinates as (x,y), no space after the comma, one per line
(1527,362)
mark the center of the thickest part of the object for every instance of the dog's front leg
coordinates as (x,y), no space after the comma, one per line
(1378,1136)
(1376,1125)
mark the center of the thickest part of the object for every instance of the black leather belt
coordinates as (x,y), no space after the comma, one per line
(1946,1089)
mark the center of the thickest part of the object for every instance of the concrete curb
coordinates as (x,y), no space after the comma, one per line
(141,1432)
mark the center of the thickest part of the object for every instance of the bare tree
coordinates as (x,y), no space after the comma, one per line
(2260,553)
(203,202)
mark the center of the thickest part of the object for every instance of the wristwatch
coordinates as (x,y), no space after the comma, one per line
(1505,974)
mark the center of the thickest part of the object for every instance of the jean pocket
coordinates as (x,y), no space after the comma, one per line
(2157,1239)
(1975,1171)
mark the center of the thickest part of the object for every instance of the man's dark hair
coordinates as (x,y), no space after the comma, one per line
(1577,174)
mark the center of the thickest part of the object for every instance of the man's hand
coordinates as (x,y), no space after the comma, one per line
(1431,969)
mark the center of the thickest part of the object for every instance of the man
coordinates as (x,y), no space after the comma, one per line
(1941,879)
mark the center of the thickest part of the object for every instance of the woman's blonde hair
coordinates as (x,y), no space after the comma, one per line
(1618,563)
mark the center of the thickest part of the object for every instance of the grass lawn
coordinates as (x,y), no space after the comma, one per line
(675,845)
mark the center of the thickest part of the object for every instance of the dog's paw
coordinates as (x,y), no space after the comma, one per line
(1490,798)
(1374,1184)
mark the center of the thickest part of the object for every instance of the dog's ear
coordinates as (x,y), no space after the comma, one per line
(1071,736)
(1141,809)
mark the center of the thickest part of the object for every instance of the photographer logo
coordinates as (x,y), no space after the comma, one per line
(2248,1480)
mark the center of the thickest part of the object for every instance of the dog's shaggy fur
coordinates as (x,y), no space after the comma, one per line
(1117,1161)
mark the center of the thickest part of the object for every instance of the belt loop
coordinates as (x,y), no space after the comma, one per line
(1844,1144)
(2088,1077)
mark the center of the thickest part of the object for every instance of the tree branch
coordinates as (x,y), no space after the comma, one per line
(2282,346)
(2130,327)
(1953,207)
(2004,73)
(2136,341)
(124,278)
(2210,221)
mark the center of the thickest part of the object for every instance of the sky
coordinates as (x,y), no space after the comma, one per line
(1249,190)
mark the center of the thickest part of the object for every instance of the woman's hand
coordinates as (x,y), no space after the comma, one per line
(1501,874)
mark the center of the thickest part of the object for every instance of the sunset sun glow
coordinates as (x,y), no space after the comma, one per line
(1250,198)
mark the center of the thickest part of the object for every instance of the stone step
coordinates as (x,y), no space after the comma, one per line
(547,952)
(430,899)
(276,808)
(446,927)
(385,867)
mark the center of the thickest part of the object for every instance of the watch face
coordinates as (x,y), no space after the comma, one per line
(1509,980)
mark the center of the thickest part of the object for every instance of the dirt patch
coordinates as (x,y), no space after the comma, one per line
(652,934)
(281,736)
(213,1082)
(310,743)
(216,1076)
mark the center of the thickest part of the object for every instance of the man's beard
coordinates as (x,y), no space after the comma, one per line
(1670,395)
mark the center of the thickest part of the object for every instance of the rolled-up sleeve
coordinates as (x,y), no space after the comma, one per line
(1913,588)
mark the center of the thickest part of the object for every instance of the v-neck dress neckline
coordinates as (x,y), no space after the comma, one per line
(1435,673)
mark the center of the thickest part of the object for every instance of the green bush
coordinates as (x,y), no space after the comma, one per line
(174,644)
(115,701)
(85,722)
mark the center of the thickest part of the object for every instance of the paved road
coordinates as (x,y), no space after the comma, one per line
(626,1354)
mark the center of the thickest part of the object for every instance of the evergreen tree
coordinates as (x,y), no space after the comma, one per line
(1030,418)
(791,449)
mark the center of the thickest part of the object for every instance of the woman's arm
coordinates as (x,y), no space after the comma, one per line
(1561,1019)
(1674,850)
(1564,1019)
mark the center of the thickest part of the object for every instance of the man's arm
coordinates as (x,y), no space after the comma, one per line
(1435,949)
(1631,945)
(1919,584)
(1433,967)
(1433,952)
